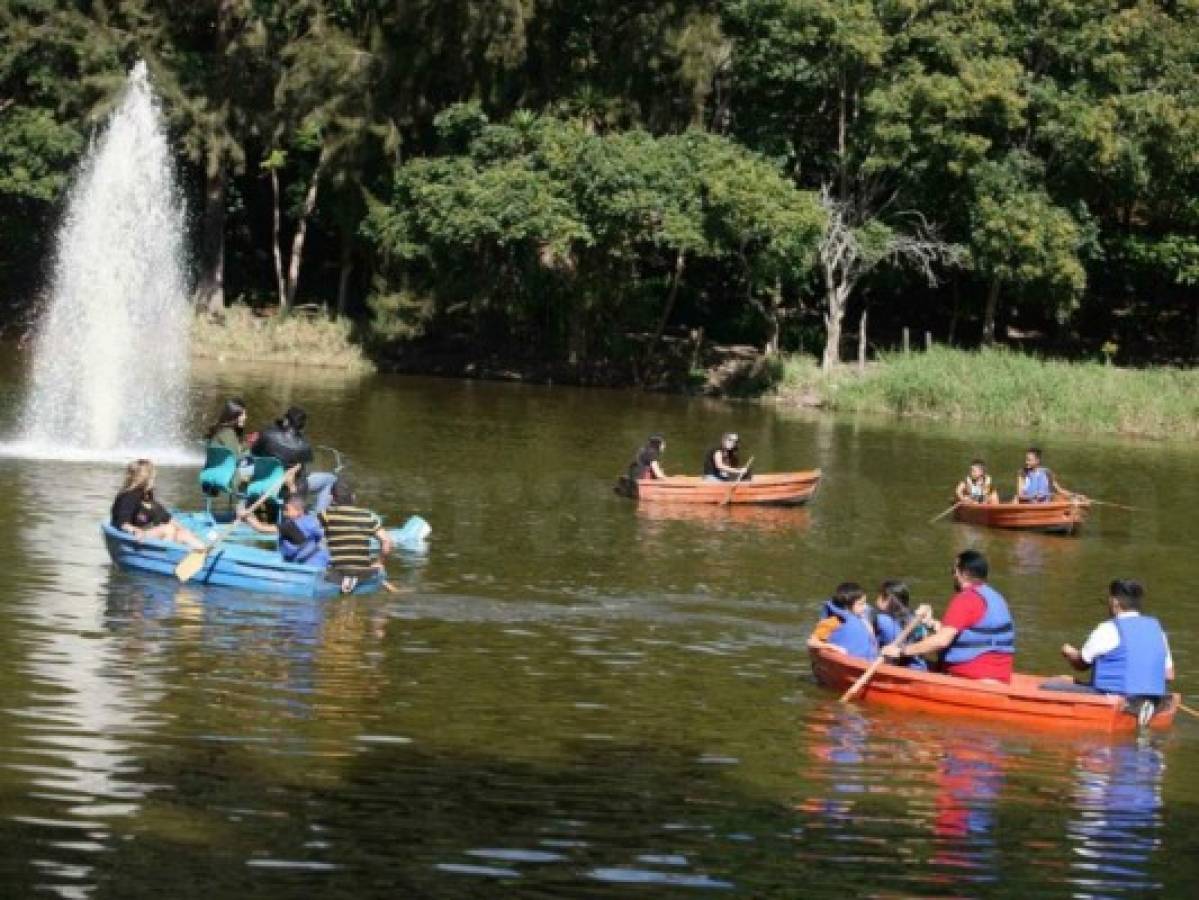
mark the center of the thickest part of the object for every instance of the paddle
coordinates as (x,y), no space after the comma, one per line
(194,561)
(1105,503)
(856,687)
(941,516)
(729,496)
(1186,709)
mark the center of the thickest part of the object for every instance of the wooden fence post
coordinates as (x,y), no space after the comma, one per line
(906,340)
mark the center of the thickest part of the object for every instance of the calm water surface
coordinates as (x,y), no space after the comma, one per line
(574,696)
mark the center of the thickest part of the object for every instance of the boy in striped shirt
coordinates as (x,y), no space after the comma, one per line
(348,533)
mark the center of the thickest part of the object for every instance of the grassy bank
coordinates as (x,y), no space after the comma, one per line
(1005,388)
(243,336)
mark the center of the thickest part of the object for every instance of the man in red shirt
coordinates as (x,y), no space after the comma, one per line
(976,634)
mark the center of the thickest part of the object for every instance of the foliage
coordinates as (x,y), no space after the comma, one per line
(574,176)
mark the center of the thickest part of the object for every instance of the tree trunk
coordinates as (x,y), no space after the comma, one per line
(957,310)
(343,279)
(280,285)
(773,324)
(210,287)
(862,343)
(838,295)
(680,261)
(297,242)
(989,314)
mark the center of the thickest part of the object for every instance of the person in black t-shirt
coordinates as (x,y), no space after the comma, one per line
(136,512)
(646,464)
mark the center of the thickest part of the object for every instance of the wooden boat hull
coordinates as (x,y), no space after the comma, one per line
(1055,517)
(776,489)
(229,565)
(1022,702)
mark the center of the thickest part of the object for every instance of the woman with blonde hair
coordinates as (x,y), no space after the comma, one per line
(136,512)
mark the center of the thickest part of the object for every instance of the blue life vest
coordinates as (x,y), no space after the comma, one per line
(1137,666)
(995,632)
(887,629)
(1036,485)
(853,635)
(309,553)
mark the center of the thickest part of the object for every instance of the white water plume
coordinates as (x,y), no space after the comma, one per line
(110,366)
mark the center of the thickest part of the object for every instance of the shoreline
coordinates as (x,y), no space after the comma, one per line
(990,387)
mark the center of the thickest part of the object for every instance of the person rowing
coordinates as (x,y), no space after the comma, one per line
(892,611)
(977,487)
(976,636)
(646,465)
(301,536)
(136,511)
(1128,654)
(1035,483)
(723,463)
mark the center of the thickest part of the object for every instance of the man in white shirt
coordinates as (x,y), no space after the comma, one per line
(1129,653)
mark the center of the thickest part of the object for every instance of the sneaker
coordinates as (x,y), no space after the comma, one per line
(348,583)
(1145,713)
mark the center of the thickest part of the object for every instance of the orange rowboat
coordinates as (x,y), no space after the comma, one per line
(778,489)
(1022,702)
(1057,516)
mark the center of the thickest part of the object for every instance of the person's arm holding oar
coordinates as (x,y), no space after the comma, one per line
(864,678)
(194,561)
(728,498)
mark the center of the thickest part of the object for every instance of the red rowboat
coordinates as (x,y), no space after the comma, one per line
(778,489)
(1059,516)
(1021,702)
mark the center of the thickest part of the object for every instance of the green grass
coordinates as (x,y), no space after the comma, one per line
(294,340)
(1002,387)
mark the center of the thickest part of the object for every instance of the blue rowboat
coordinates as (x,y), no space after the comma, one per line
(232,565)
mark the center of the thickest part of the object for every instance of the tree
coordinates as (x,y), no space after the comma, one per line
(855,241)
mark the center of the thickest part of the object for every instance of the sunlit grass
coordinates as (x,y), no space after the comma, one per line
(245,337)
(1007,388)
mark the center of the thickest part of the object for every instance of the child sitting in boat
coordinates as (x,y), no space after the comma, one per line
(892,614)
(136,512)
(977,486)
(844,626)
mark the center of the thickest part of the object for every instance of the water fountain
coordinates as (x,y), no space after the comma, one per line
(109,375)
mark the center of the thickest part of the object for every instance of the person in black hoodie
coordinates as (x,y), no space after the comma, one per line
(285,441)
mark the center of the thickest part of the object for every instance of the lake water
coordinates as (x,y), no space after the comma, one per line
(574,696)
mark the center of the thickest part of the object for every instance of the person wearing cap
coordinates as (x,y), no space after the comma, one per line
(646,465)
(723,463)
(348,532)
(285,441)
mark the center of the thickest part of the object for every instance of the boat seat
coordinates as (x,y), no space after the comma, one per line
(267,471)
(219,475)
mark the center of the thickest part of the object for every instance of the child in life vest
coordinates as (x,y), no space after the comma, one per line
(844,626)
(892,613)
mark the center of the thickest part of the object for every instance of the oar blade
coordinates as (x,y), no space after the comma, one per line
(190,565)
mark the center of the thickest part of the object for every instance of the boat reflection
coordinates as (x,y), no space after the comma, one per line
(763,518)
(1117,816)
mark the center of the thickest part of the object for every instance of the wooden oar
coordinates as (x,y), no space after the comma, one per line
(194,561)
(729,496)
(941,516)
(1186,709)
(856,687)
(1105,503)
